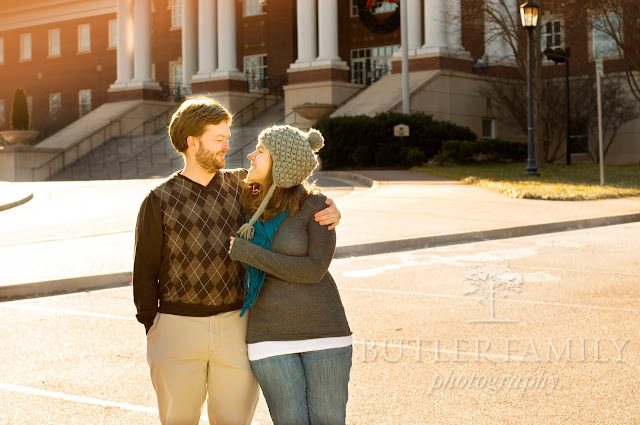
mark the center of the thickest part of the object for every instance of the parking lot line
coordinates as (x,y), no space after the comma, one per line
(511,300)
(79,399)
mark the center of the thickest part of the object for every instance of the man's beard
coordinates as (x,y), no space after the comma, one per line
(209,160)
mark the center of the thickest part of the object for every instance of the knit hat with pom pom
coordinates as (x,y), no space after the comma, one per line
(294,160)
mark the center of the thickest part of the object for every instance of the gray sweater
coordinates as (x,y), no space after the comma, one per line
(299,299)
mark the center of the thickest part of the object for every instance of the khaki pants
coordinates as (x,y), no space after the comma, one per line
(195,357)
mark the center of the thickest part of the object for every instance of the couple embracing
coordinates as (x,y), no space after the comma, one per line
(231,280)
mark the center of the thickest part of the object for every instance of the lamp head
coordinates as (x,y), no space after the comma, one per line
(529,14)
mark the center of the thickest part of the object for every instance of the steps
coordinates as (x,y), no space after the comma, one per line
(154,156)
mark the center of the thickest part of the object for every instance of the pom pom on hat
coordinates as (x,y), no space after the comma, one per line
(316,141)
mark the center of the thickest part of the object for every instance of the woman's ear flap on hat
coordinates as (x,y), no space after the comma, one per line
(316,141)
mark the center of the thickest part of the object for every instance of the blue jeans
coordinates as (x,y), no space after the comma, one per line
(306,388)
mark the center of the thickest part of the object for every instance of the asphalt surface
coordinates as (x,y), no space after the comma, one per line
(562,348)
(436,339)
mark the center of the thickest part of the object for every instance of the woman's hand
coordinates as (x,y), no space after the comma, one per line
(231,244)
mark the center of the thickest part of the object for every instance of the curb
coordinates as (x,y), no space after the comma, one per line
(64,286)
(411,244)
(16,203)
(348,176)
(86,283)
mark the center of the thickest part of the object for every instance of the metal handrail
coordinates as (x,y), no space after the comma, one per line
(136,155)
(273,90)
(105,140)
(77,147)
(252,142)
(174,92)
(130,135)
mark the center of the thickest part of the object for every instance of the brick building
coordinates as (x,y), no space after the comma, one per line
(72,56)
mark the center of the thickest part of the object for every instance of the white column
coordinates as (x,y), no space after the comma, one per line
(496,45)
(307,31)
(415,28)
(189,40)
(227,62)
(328,32)
(453,28)
(434,34)
(125,42)
(207,37)
(443,28)
(142,41)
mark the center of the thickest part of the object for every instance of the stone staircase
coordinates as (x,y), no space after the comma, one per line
(133,157)
(126,158)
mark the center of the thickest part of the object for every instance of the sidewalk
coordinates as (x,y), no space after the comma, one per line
(386,211)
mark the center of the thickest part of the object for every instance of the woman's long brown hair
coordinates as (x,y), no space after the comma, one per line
(283,198)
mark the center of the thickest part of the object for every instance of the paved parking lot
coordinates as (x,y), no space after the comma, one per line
(563,346)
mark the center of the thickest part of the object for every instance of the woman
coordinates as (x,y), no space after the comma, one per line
(299,341)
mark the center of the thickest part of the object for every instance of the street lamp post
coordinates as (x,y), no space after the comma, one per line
(529,17)
(560,55)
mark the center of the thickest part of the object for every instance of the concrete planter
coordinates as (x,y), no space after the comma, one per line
(19,137)
(314,111)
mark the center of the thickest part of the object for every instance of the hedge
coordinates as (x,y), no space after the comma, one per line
(363,141)
(467,151)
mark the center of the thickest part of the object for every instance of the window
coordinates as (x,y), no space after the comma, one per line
(488,128)
(30,105)
(552,35)
(176,74)
(370,65)
(54,42)
(176,14)
(2,121)
(25,47)
(604,28)
(84,102)
(113,33)
(55,106)
(255,69)
(1,50)
(253,7)
(84,38)
(378,6)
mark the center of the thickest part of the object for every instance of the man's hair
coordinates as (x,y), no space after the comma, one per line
(192,117)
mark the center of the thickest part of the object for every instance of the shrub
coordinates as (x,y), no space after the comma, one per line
(363,141)
(20,119)
(415,157)
(467,151)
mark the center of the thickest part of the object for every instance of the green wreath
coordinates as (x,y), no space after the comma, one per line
(376,26)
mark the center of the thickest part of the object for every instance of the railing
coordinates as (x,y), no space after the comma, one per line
(150,126)
(60,159)
(271,94)
(164,139)
(174,92)
(370,74)
(248,147)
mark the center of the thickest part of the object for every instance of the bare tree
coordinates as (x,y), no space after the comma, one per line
(508,92)
(620,21)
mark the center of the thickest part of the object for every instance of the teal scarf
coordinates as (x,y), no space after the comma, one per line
(254,278)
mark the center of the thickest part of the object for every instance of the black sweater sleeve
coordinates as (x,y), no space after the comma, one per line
(147,260)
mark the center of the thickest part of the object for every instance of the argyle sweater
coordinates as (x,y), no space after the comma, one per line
(181,260)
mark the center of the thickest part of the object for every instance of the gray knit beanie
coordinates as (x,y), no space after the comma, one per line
(294,160)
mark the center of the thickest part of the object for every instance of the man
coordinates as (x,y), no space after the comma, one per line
(187,291)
